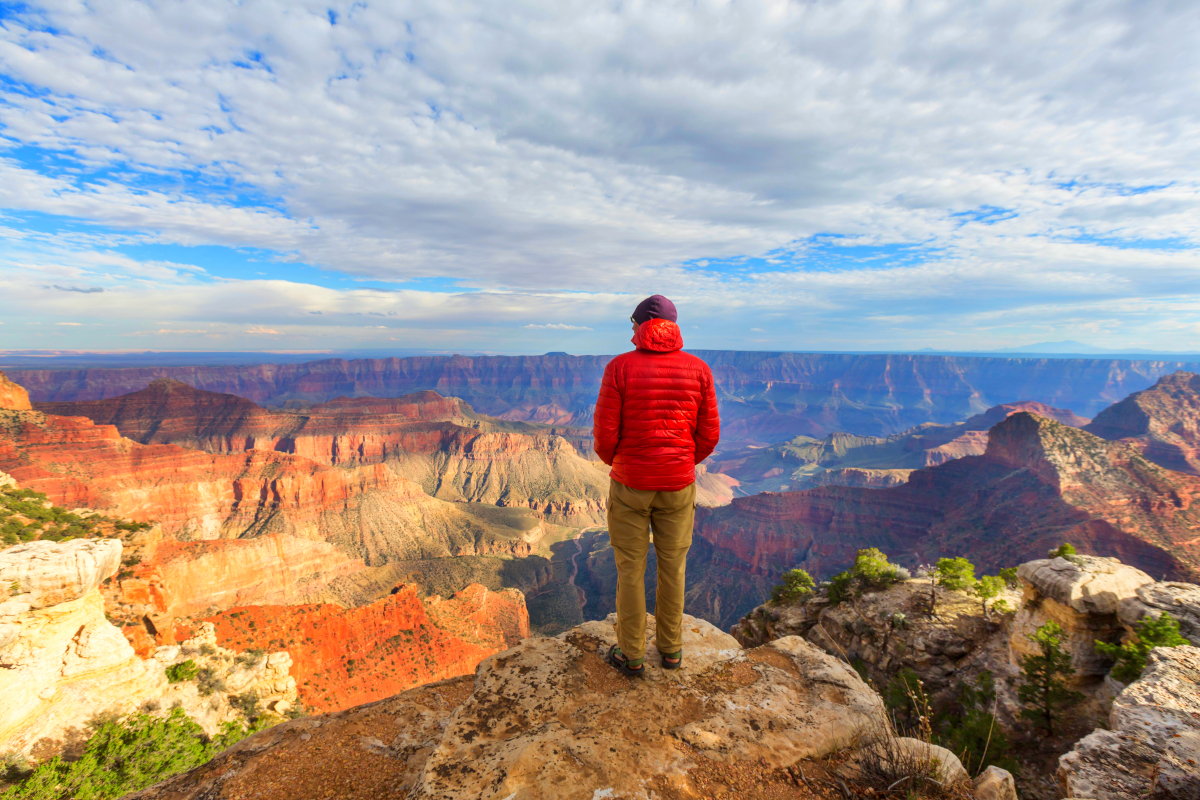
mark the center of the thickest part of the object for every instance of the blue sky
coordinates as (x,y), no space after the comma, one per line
(514,177)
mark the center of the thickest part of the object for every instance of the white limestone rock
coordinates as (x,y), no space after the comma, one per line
(44,573)
(1153,746)
(1180,600)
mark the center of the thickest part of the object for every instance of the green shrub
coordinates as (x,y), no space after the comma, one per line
(970,730)
(1009,576)
(1131,657)
(988,587)
(871,571)
(183,671)
(840,587)
(1065,549)
(125,756)
(793,584)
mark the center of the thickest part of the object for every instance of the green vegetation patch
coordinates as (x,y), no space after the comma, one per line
(26,515)
(183,671)
(126,755)
(1132,656)
(871,572)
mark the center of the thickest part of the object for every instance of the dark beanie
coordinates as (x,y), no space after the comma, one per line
(655,307)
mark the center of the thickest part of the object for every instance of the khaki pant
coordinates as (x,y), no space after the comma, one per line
(632,513)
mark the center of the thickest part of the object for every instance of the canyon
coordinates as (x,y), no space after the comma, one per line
(765,397)
(438,442)
(847,459)
(1039,483)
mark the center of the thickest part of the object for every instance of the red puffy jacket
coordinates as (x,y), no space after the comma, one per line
(656,417)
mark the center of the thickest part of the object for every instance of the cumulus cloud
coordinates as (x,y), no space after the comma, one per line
(1042,163)
(261,329)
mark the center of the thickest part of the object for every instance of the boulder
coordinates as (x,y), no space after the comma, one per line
(1083,595)
(549,719)
(995,784)
(1152,746)
(904,750)
(44,573)
(1180,600)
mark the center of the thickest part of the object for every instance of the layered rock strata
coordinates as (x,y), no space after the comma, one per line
(548,719)
(439,442)
(847,459)
(766,397)
(61,661)
(1152,745)
(1163,422)
(343,657)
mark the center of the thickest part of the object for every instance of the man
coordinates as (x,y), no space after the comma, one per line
(656,419)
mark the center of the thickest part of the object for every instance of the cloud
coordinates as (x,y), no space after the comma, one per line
(555,326)
(262,330)
(89,290)
(955,173)
(70,324)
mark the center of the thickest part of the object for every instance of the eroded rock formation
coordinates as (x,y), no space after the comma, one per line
(1083,595)
(1152,745)
(1039,484)
(439,442)
(62,662)
(847,459)
(548,720)
(343,657)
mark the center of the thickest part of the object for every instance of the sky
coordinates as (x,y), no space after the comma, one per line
(514,177)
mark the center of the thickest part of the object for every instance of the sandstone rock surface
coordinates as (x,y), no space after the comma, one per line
(1153,744)
(995,783)
(1082,594)
(12,396)
(61,661)
(45,573)
(1180,600)
(549,719)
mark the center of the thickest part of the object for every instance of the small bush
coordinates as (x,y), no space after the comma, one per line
(1064,550)
(871,572)
(1009,576)
(183,671)
(1131,657)
(793,585)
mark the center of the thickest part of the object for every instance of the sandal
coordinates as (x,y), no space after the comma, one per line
(676,657)
(621,662)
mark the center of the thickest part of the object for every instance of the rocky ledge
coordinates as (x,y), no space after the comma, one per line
(549,719)
(1152,747)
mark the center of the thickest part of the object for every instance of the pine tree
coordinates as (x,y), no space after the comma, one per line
(989,586)
(1043,688)
(955,574)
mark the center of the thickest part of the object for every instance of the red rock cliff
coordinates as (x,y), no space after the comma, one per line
(345,657)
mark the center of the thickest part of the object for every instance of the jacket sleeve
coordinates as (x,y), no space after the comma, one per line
(606,422)
(708,422)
